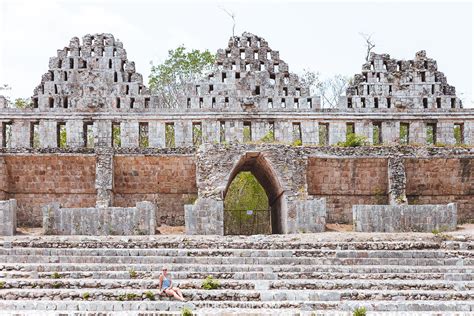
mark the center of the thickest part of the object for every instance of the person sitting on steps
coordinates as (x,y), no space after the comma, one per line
(166,286)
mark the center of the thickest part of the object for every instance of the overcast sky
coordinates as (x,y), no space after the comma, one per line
(321,36)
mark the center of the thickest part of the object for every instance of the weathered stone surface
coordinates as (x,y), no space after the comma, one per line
(404,218)
(204,217)
(139,220)
(7,217)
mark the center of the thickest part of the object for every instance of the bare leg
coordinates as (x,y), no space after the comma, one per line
(178,291)
(173,293)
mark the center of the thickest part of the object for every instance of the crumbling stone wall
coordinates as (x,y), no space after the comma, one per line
(387,83)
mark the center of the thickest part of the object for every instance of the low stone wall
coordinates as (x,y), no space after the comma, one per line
(7,217)
(139,220)
(404,218)
(306,216)
(204,217)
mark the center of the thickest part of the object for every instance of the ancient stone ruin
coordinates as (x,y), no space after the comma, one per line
(122,146)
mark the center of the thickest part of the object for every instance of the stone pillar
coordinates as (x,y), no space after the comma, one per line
(129,133)
(309,133)
(390,132)
(283,132)
(156,134)
(75,133)
(48,134)
(364,128)
(183,133)
(396,181)
(469,132)
(20,134)
(445,132)
(7,217)
(102,133)
(104,176)
(337,132)
(417,133)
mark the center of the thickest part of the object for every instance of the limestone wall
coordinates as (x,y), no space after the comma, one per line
(139,220)
(404,218)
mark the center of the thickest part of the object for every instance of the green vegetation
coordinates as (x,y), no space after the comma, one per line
(246,193)
(56,285)
(186,311)
(197,134)
(62,136)
(360,311)
(297,142)
(210,283)
(169,135)
(2,284)
(269,137)
(149,295)
(458,135)
(168,80)
(116,140)
(247,134)
(86,295)
(131,296)
(353,140)
(133,273)
(55,275)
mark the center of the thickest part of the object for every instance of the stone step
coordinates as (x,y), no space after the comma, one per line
(241,295)
(216,307)
(55,267)
(117,275)
(235,260)
(236,253)
(153,284)
(310,241)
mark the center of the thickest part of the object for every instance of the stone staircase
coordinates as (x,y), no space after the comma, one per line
(278,275)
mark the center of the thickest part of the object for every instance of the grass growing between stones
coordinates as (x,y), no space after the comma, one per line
(360,311)
(186,311)
(210,283)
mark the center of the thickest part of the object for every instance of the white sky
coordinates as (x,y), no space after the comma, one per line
(321,36)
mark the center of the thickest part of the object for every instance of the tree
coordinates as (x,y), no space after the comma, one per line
(330,89)
(369,44)
(168,80)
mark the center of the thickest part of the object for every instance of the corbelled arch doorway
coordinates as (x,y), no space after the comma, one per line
(246,220)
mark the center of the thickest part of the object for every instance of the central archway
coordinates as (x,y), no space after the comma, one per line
(261,169)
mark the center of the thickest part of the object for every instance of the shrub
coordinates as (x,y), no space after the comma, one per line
(186,311)
(353,140)
(131,296)
(86,295)
(133,273)
(149,295)
(210,283)
(2,284)
(360,311)
(297,142)
(55,275)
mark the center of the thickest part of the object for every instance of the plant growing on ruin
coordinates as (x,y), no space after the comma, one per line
(297,142)
(359,311)
(86,295)
(210,283)
(133,274)
(56,285)
(55,275)
(149,295)
(131,296)
(2,284)
(168,79)
(186,311)
(353,140)
(269,137)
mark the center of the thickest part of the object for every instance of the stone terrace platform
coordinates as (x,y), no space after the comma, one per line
(328,273)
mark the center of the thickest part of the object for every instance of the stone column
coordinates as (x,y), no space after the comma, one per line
(104,176)
(48,133)
(156,134)
(20,134)
(309,133)
(396,181)
(102,133)
(7,217)
(75,133)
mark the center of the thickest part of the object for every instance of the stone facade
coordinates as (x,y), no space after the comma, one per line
(8,218)
(139,220)
(404,218)
(124,146)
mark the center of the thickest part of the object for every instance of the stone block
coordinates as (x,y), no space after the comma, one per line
(139,220)
(404,218)
(7,217)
